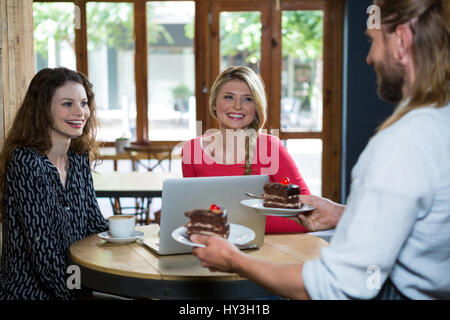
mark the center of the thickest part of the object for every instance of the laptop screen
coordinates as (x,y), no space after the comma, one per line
(181,195)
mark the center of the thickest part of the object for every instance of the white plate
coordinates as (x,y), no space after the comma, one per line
(257,205)
(239,235)
(107,237)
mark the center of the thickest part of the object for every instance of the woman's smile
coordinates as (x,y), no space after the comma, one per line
(235,107)
(77,124)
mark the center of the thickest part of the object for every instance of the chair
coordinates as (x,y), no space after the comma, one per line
(141,209)
(158,150)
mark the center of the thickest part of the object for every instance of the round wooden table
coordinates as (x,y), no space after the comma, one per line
(133,270)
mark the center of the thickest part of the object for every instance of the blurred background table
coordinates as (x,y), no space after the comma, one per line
(158,150)
(143,186)
(154,150)
(130,184)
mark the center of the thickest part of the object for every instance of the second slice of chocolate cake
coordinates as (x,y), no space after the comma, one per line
(278,195)
(212,221)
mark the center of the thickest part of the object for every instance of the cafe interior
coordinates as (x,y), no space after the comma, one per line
(152,65)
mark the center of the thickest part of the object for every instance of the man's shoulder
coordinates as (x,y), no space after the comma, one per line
(422,122)
(423,132)
(429,115)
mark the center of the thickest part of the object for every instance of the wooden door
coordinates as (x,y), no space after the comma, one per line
(291,122)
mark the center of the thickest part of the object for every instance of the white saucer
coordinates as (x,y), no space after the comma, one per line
(257,205)
(239,235)
(107,237)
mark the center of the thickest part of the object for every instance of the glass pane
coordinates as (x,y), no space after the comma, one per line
(54,35)
(171,70)
(240,39)
(111,67)
(301,77)
(307,154)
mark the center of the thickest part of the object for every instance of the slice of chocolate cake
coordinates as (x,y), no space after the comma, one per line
(281,195)
(212,221)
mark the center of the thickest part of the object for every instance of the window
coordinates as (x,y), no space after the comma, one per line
(240,39)
(301,76)
(294,48)
(111,67)
(152,64)
(54,36)
(301,105)
(171,70)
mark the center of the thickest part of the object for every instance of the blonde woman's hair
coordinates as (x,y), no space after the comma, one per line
(256,86)
(430,48)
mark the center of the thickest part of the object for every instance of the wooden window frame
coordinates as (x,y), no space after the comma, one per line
(206,68)
(332,89)
(271,61)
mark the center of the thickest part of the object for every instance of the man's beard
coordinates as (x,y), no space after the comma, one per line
(390,79)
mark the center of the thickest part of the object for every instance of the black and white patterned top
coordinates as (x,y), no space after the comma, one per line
(41,219)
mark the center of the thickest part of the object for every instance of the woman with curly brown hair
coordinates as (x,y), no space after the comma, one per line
(48,199)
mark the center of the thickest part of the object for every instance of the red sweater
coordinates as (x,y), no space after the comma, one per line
(195,163)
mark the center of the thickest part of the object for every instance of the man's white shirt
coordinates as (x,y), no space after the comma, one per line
(397,220)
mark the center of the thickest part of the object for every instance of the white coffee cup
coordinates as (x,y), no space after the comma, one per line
(121,226)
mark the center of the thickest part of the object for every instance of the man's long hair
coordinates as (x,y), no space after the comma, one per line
(429,21)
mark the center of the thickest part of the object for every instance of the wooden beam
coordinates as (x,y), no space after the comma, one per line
(140,69)
(332,100)
(202,70)
(274,87)
(300,135)
(81,37)
(16,58)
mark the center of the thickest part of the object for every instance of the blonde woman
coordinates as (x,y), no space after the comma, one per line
(238,102)
(48,198)
(392,239)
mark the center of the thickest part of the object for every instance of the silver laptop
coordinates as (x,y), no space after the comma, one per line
(181,195)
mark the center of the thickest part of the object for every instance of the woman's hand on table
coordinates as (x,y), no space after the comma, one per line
(325,216)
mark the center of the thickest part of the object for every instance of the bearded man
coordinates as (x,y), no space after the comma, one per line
(391,239)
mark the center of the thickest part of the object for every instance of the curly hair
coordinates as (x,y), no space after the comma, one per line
(33,122)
